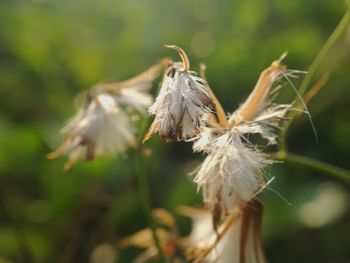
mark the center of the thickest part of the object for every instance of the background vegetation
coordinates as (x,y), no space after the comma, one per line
(52,50)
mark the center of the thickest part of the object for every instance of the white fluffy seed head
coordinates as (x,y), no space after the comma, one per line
(101,128)
(182,101)
(232,172)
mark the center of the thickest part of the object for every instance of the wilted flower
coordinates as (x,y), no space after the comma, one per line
(104,126)
(100,128)
(237,240)
(233,171)
(181,103)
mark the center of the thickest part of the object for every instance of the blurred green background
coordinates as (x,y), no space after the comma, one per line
(52,50)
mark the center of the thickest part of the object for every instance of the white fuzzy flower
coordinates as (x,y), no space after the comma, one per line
(181,103)
(104,125)
(100,128)
(233,171)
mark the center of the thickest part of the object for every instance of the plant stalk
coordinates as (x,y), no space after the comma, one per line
(337,33)
(145,195)
(336,172)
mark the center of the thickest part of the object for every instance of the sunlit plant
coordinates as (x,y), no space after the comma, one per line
(236,146)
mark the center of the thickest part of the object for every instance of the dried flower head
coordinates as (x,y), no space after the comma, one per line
(237,240)
(104,125)
(182,101)
(233,171)
(100,128)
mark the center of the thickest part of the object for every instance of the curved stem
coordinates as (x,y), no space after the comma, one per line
(182,54)
(145,196)
(337,33)
(342,26)
(146,203)
(334,171)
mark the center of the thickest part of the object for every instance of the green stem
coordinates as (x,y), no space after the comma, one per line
(337,33)
(340,29)
(145,191)
(146,202)
(336,172)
